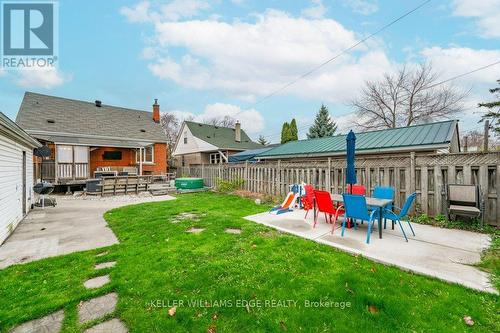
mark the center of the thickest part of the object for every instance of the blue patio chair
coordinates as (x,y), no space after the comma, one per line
(381,192)
(356,208)
(403,212)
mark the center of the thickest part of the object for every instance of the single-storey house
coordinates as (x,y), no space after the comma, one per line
(16,175)
(199,143)
(89,137)
(431,138)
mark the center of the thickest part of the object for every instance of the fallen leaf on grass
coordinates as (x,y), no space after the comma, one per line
(373,269)
(214,317)
(283,326)
(212,329)
(349,290)
(172,311)
(468,320)
(373,309)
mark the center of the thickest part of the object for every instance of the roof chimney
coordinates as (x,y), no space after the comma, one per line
(98,103)
(237,131)
(156,111)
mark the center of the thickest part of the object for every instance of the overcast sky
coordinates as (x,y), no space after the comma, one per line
(207,58)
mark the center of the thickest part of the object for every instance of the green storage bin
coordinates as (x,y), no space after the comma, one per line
(188,183)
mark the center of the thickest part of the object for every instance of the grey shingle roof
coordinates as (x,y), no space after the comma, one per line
(85,119)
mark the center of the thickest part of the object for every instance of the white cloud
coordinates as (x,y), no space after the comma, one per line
(316,11)
(363,7)
(250,59)
(139,13)
(251,120)
(458,60)
(45,78)
(172,11)
(486,13)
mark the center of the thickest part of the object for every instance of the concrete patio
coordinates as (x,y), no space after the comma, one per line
(446,254)
(75,224)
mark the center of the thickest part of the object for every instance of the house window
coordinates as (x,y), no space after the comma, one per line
(64,154)
(147,155)
(81,154)
(112,155)
(185,138)
(215,158)
(183,161)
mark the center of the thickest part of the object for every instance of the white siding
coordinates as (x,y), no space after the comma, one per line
(11,185)
(193,145)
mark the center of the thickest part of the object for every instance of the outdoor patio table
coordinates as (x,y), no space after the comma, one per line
(374,202)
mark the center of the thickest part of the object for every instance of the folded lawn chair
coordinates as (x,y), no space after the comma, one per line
(464,200)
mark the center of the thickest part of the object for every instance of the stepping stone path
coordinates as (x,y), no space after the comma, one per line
(233,231)
(51,323)
(97,282)
(96,308)
(195,230)
(185,216)
(105,265)
(111,326)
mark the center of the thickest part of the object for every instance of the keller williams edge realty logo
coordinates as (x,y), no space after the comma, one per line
(29,34)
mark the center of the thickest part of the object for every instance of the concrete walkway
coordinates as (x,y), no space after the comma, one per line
(75,224)
(446,254)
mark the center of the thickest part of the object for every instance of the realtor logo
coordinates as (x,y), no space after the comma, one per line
(29,38)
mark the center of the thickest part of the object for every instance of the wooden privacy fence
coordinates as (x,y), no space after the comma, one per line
(425,175)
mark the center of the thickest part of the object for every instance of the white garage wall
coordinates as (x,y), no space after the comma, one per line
(11,159)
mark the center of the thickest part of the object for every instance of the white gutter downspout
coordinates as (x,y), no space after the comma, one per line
(140,161)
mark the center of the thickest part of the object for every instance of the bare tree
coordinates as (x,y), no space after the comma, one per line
(171,127)
(226,121)
(410,96)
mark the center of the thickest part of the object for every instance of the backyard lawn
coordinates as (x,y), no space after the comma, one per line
(257,281)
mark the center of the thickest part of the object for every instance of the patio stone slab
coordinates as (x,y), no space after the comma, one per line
(233,231)
(442,253)
(75,224)
(195,230)
(105,265)
(51,323)
(96,308)
(97,282)
(111,326)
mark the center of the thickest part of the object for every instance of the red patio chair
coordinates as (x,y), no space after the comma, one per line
(325,205)
(356,189)
(308,199)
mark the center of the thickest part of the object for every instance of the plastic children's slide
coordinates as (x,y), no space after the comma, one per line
(290,200)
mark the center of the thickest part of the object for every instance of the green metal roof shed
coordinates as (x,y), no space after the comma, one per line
(424,137)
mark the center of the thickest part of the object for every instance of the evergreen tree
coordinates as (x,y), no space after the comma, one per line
(294,133)
(323,125)
(262,140)
(285,133)
(493,113)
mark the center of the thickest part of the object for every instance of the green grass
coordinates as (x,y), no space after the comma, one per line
(158,261)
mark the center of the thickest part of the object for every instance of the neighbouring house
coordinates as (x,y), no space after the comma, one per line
(89,137)
(16,175)
(431,138)
(207,144)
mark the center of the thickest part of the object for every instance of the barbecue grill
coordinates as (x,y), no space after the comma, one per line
(44,189)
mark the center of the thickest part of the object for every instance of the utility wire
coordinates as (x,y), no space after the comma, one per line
(429,87)
(338,55)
